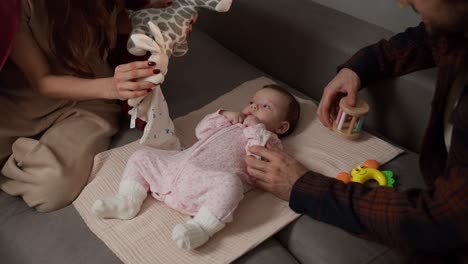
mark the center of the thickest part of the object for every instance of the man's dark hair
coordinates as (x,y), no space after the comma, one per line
(294,109)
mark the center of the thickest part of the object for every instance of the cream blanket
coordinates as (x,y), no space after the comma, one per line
(147,237)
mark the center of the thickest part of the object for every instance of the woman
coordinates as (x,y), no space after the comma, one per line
(58,97)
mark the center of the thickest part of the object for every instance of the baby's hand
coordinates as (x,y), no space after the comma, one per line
(233,117)
(251,120)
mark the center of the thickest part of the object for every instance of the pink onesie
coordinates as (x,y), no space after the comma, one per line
(211,173)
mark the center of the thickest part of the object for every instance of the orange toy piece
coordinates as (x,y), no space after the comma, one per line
(344,177)
(371,164)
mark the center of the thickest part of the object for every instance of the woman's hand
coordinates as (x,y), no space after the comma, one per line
(125,84)
(346,82)
(276,172)
(233,117)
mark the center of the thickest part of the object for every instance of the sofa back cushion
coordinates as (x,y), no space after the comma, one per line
(301,43)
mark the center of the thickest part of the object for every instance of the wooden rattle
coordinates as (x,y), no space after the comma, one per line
(350,120)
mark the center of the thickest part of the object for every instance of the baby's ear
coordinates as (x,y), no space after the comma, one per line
(283,128)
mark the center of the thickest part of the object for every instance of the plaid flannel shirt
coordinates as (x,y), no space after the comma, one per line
(431,223)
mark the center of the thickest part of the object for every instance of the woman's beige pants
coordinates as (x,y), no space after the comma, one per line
(48,156)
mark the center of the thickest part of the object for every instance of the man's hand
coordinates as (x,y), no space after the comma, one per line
(346,82)
(276,172)
(233,117)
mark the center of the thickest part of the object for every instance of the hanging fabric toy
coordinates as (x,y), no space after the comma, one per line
(163,32)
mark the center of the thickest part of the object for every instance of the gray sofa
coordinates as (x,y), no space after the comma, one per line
(298,43)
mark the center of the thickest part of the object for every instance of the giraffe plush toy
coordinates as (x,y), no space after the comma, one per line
(163,32)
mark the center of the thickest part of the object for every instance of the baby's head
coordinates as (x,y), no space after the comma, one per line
(276,108)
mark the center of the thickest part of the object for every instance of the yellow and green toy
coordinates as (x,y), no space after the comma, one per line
(369,170)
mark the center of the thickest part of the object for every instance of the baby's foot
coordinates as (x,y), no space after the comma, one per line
(189,235)
(119,207)
(197,231)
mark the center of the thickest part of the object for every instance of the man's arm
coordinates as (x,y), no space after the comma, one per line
(405,52)
(417,220)
(424,220)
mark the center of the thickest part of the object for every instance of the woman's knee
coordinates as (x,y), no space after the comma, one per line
(63,194)
(49,195)
(46,181)
(59,192)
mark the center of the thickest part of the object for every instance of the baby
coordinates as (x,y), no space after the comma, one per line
(209,179)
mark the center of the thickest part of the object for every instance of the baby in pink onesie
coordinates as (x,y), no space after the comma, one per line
(209,179)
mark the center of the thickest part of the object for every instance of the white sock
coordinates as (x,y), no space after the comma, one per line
(197,231)
(125,205)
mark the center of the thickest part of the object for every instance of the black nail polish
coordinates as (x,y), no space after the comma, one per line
(151,63)
(156,71)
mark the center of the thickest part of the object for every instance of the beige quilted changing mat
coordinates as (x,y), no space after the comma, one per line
(147,237)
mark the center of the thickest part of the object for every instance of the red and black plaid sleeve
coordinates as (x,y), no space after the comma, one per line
(417,220)
(429,221)
(405,52)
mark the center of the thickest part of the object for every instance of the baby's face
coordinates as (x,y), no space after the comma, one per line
(270,108)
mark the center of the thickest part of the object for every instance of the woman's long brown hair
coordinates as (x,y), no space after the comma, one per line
(79,28)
